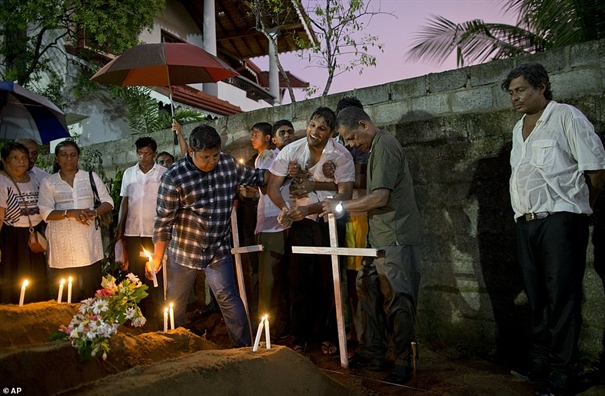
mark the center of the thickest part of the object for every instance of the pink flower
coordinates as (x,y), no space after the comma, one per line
(104,293)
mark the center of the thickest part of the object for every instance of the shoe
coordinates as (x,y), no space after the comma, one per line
(299,349)
(538,371)
(559,383)
(400,375)
(328,349)
(359,362)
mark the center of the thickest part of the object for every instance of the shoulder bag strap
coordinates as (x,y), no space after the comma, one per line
(93,186)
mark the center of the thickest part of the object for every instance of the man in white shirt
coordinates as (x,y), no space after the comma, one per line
(32,147)
(311,285)
(558,167)
(139,192)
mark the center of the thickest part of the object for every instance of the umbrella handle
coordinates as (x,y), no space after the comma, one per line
(176,138)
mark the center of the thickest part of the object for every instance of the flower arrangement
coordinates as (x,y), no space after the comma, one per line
(99,317)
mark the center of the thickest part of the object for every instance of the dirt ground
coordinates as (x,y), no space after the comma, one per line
(186,361)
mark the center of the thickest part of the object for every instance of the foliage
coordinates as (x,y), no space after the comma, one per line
(271,16)
(144,115)
(541,25)
(99,318)
(341,29)
(33,31)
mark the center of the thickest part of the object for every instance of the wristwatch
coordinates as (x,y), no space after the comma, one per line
(339,208)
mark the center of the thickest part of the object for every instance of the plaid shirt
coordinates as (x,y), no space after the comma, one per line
(194,209)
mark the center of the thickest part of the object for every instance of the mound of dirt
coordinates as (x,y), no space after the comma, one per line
(151,363)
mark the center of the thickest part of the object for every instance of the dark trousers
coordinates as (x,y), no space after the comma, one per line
(388,295)
(311,285)
(151,306)
(552,256)
(86,281)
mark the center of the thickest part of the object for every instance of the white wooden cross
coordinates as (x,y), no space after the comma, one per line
(335,251)
(237,251)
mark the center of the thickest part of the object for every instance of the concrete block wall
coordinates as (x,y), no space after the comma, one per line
(455,127)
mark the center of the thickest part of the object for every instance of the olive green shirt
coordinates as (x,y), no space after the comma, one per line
(397,223)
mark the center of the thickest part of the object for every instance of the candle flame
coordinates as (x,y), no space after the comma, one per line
(25,283)
(165,310)
(146,253)
(170,305)
(62,282)
(69,279)
(241,160)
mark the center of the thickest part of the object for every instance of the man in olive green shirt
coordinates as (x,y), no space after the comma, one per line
(394,228)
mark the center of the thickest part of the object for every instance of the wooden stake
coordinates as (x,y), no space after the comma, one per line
(335,252)
(237,251)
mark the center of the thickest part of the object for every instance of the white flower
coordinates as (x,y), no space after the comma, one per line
(100,306)
(134,279)
(86,304)
(130,312)
(139,321)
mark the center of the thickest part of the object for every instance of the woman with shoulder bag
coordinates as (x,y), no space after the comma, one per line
(67,203)
(19,218)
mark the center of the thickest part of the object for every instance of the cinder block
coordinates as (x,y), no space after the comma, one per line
(472,100)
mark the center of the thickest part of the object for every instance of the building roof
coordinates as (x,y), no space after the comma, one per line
(236,34)
(200,99)
(263,80)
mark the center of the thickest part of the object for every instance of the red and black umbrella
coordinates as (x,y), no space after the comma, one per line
(164,65)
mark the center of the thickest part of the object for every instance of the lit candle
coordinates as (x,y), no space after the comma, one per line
(258,335)
(241,160)
(60,296)
(69,290)
(267,332)
(152,268)
(165,320)
(23,287)
(171,317)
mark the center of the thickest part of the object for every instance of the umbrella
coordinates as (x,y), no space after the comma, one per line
(164,65)
(24,114)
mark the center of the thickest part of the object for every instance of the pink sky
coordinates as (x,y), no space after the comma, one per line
(397,34)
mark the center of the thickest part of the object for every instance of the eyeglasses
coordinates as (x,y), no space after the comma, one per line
(145,154)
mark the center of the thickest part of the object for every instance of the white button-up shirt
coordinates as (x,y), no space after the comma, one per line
(266,215)
(142,192)
(547,168)
(71,243)
(299,152)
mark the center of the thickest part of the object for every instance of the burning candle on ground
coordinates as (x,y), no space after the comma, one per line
(152,268)
(171,317)
(60,296)
(23,287)
(259,333)
(165,320)
(69,290)
(267,332)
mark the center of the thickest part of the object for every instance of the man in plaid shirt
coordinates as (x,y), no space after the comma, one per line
(194,206)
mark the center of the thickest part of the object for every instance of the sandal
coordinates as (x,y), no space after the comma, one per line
(299,349)
(328,349)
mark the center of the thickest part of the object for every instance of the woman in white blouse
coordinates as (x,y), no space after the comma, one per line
(66,203)
(19,206)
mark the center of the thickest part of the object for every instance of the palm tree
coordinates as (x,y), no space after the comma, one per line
(541,25)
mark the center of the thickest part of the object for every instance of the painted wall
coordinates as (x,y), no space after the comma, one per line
(456,130)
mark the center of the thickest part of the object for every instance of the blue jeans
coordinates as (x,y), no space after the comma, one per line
(221,279)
